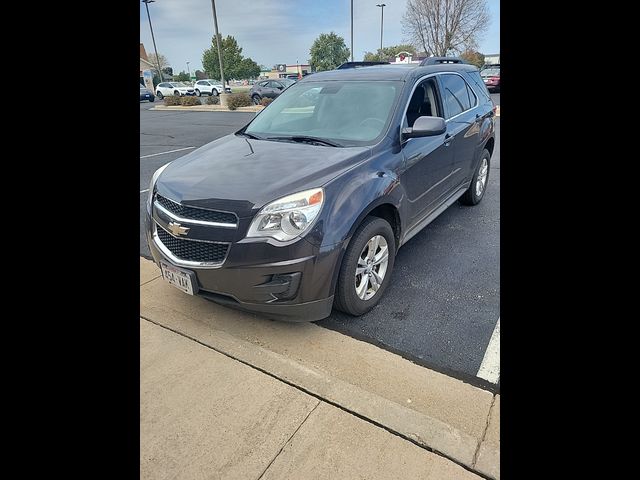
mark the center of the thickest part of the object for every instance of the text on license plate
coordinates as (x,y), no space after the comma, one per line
(176,277)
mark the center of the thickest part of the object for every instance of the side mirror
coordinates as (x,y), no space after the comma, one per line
(425,127)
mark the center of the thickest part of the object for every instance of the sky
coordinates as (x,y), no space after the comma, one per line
(278,31)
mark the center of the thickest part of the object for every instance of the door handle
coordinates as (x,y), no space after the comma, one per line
(447,139)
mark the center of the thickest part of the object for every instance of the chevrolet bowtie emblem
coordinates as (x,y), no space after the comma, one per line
(178,229)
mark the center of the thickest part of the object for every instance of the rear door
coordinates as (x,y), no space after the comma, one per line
(463,123)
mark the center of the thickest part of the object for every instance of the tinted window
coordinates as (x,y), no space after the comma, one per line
(472,97)
(263,84)
(455,95)
(480,86)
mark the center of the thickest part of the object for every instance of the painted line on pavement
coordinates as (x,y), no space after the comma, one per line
(490,366)
(145,190)
(170,151)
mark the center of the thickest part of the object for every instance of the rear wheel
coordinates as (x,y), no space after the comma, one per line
(159,95)
(366,268)
(198,92)
(478,186)
(256,99)
(214,92)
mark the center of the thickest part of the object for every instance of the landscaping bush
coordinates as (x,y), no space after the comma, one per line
(266,101)
(213,100)
(171,101)
(239,100)
(189,101)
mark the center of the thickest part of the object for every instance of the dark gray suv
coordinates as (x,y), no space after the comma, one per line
(305,208)
(269,88)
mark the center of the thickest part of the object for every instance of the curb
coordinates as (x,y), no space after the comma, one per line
(472,452)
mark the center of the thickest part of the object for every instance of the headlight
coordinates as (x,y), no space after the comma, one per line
(152,185)
(288,217)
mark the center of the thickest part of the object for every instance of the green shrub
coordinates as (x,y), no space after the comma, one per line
(213,100)
(190,101)
(238,100)
(172,101)
(266,101)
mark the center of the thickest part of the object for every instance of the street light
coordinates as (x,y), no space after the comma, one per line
(352,30)
(189,71)
(223,94)
(381,5)
(146,4)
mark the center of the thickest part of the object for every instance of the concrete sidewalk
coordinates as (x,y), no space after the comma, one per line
(226,394)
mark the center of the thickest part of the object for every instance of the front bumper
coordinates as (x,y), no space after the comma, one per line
(293,282)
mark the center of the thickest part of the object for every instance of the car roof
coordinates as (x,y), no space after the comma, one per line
(404,72)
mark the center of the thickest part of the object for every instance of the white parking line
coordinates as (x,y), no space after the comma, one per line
(170,151)
(145,190)
(490,366)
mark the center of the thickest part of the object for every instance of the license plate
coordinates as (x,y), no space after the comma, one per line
(177,277)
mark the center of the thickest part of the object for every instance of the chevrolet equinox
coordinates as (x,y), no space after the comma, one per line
(305,208)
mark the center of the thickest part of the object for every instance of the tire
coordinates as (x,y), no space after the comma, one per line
(177,93)
(159,95)
(472,196)
(256,99)
(214,92)
(347,299)
(198,93)
(152,99)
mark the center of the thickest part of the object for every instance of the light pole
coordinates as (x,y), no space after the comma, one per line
(352,30)
(189,71)
(381,5)
(146,4)
(223,94)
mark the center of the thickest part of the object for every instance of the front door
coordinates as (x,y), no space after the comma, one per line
(428,161)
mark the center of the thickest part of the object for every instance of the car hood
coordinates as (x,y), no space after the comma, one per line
(242,175)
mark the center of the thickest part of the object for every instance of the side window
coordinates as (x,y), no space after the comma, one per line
(455,94)
(424,102)
(480,86)
(263,84)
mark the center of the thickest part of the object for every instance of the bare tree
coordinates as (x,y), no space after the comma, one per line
(440,27)
(162,61)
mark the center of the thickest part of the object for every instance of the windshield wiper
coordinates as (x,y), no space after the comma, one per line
(250,135)
(304,138)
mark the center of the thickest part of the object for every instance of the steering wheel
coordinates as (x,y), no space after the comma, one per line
(379,122)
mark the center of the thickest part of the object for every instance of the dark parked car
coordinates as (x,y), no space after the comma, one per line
(305,208)
(491,77)
(269,88)
(145,94)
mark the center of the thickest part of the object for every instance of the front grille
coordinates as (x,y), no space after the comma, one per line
(195,213)
(191,250)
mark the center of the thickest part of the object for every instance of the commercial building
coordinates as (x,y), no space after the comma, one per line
(283,70)
(492,58)
(146,73)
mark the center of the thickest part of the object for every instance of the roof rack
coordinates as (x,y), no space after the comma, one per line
(439,60)
(359,64)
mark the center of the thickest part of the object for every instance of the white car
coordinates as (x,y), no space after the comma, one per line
(166,89)
(210,87)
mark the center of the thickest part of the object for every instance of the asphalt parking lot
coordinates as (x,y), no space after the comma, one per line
(443,303)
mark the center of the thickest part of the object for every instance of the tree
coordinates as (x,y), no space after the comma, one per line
(388,54)
(442,27)
(235,65)
(473,57)
(182,77)
(200,75)
(164,63)
(328,51)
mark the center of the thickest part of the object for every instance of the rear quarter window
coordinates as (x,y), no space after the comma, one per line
(476,82)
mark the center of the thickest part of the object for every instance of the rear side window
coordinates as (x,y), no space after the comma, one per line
(478,84)
(455,94)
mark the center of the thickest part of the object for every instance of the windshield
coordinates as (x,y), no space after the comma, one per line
(488,72)
(179,84)
(349,113)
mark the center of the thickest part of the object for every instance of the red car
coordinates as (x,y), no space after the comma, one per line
(491,77)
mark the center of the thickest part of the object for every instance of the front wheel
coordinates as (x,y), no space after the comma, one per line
(478,186)
(152,99)
(177,93)
(159,95)
(214,92)
(366,268)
